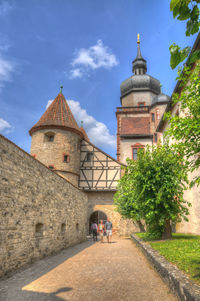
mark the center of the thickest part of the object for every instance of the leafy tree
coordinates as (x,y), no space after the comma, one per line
(152,190)
(185,10)
(185,127)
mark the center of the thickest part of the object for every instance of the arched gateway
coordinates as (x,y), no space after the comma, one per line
(96,216)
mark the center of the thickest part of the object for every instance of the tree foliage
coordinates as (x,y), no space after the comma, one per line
(152,189)
(185,127)
(185,10)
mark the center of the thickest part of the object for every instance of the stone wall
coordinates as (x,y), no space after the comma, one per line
(40,212)
(103,201)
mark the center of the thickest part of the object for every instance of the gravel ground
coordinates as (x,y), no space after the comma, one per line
(89,271)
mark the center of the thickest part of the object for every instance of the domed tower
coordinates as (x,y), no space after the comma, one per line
(142,107)
(56,140)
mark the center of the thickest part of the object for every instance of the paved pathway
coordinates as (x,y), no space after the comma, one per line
(89,271)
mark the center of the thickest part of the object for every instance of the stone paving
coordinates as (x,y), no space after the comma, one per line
(89,271)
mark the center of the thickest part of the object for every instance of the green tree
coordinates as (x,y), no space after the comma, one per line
(152,190)
(184,127)
(185,10)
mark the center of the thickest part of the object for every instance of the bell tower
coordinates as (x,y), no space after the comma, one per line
(56,140)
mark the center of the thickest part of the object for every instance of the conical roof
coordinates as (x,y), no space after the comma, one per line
(57,115)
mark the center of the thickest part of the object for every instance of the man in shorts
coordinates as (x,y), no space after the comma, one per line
(108,227)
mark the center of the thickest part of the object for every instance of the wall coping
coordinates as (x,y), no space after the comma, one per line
(38,162)
(177,281)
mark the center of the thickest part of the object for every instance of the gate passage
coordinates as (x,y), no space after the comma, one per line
(96,216)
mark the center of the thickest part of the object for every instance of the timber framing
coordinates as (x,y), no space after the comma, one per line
(98,171)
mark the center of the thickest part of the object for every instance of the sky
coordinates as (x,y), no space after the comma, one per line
(86,46)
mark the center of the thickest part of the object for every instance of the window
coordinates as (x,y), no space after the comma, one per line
(89,157)
(49,137)
(65,158)
(156,137)
(51,167)
(63,228)
(153,117)
(39,228)
(141,104)
(77,227)
(135,153)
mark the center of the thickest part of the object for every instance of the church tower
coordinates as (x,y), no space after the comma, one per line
(142,107)
(56,140)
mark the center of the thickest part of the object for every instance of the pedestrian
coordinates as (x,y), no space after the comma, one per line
(94,230)
(108,227)
(101,230)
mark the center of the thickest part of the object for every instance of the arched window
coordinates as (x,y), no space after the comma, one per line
(49,136)
(39,229)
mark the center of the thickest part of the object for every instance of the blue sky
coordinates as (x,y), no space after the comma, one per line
(88,47)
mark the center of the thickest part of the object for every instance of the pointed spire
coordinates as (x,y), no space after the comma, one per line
(57,115)
(139,64)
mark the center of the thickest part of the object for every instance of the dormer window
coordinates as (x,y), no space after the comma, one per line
(49,137)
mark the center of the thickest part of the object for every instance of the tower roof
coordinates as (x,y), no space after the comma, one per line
(139,64)
(57,115)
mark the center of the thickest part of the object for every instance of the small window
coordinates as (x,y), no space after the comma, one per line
(39,229)
(153,117)
(135,153)
(141,104)
(77,227)
(156,137)
(63,228)
(51,167)
(66,158)
(49,137)
(89,156)
(34,156)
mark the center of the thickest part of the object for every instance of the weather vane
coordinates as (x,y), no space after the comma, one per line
(138,38)
(61,87)
(81,123)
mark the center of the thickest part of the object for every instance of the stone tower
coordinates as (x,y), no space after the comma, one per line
(56,140)
(143,105)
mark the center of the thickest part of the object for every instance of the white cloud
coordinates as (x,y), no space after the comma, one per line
(5,127)
(6,70)
(92,58)
(97,132)
(5,6)
(48,103)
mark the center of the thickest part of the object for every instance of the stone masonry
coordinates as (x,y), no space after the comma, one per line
(41,212)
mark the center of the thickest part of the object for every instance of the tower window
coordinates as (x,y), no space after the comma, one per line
(89,157)
(39,229)
(49,137)
(51,167)
(153,117)
(65,158)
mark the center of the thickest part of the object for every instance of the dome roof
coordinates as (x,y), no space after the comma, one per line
(160,98)
(140,83)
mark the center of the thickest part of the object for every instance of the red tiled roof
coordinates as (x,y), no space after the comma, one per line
(135,125)
(58,115)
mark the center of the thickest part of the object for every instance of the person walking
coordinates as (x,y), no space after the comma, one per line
(101,230)
(94,230)
(108,227)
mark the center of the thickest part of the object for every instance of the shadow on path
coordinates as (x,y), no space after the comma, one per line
(11,288)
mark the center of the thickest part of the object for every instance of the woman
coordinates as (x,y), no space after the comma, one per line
(101,230)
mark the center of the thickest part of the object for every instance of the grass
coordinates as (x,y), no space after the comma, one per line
(183,250)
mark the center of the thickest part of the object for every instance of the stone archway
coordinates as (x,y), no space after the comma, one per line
(96,216)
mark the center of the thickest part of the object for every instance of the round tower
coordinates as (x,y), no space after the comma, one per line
(56,140)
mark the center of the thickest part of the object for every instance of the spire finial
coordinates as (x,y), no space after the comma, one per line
(81,123)
(61,87)
(138,38)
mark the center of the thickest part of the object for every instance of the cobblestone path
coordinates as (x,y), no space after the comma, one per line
(89,271)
